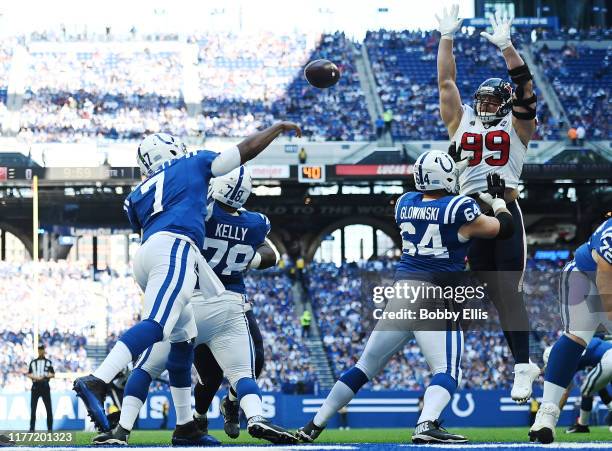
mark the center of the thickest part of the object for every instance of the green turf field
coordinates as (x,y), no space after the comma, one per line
(600,434)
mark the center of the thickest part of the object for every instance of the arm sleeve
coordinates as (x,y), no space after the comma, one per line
(51,370)
(225,162)
(605,245)
(129,211)
(469,211)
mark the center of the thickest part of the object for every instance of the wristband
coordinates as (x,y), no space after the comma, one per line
(449,36)
(497,204)
(256,261)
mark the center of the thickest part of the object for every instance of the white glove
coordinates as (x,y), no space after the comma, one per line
(501,31)
(449,23)
(496,203)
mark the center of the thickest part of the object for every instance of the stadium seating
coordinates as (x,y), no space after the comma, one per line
(72,302)
(345,321)
(404,64)
(581,77)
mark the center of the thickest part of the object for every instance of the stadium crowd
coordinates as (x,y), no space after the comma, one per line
(74,309)
(346,324)
(248,81)
(404,64)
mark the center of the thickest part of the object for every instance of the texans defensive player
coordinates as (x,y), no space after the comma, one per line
(169,206)
(493,135)
(597,359)
(436,226)
(585,294)
(232,242)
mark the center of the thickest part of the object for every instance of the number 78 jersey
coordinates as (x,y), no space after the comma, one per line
(494,149)
(231,242)
(430,232)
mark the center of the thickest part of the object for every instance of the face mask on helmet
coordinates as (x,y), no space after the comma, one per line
(435,170)
(493,100)
(156,149)
(232,189)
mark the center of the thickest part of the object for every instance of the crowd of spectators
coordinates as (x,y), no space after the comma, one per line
(342,300)
(73,308)
(581,77)
(404,65)
(248,81)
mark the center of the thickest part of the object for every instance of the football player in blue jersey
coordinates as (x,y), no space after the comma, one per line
(585,295)
(169,207)
(233,243)
(436,226)
(597,362)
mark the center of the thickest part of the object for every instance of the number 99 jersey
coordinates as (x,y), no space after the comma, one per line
(496,148)
(430,233)
(231,242)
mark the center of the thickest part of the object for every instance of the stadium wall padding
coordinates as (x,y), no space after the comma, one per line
(372,409)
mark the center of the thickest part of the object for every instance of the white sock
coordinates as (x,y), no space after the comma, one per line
(114,362)
(231,396)
(584,417)
(552,393)
(181,396)
(251,405)
(130,407)
(339,396)
(435,400)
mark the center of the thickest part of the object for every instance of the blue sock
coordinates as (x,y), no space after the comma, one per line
(138,384)
(179,363)
(446,381)
(247,386)
(563,362)
(142,335)
(354,379)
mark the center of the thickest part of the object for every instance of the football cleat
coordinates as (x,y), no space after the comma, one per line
(543,429)
(578,429)
(189,434)
(5,441)
(310,432)
(92,392)
(118,436)
(433,432)
(524,375)
(231,417)
(201,422)
(261,428)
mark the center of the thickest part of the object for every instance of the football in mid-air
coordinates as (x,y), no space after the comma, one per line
(322,73)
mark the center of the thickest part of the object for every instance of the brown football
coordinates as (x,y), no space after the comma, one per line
(322,73)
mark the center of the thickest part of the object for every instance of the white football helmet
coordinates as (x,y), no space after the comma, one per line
(233,188)
(156,149)
(435,170)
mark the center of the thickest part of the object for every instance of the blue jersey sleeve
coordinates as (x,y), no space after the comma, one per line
(463,211)
(604,246)
(129,211)
(205,159)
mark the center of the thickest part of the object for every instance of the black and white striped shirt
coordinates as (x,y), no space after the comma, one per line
(41,368)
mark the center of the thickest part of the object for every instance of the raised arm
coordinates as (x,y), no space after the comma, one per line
(264,258)
(450,99)
(250,147)
(524,102)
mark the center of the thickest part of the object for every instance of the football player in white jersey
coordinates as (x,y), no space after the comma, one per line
(492,136)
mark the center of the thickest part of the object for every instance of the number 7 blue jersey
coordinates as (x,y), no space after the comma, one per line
(430,232)
(173,199)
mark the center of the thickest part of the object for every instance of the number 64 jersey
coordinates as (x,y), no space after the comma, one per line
(496,148)
(231,242)
(430,234)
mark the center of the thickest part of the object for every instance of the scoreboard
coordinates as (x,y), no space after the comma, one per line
(308,173)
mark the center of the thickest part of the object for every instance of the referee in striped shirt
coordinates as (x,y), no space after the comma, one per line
(41,371)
